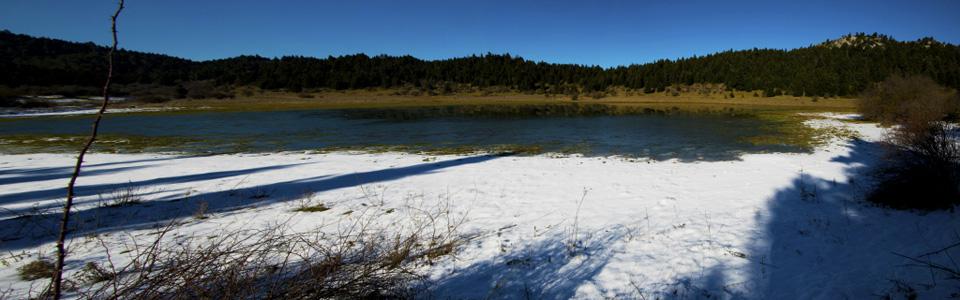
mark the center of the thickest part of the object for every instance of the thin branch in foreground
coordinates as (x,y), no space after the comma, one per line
(57,280)
(954,274)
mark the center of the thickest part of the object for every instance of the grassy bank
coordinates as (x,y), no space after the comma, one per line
(390,99)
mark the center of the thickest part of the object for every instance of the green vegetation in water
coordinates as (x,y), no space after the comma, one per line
(789,128)
(33,143)
(787,125)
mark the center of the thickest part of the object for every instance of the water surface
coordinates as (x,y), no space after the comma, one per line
(687,137)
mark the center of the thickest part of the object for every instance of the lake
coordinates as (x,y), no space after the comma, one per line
(656,136)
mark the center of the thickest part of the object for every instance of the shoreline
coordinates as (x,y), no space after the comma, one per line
(765,226)
(386,99)
(789,132)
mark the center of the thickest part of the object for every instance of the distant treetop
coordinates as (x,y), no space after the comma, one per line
(839,67)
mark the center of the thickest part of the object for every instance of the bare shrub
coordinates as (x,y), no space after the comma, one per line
(575,243)
(308,203)
(597,94)
(37,269)
(207,89)
(900,100)
(201,212)
(940,262)
(94,273)
(125,196)
(933,141)
(154,93)
(922,169)
(366,256)
(8,96)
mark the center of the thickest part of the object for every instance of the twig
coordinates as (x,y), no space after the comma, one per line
(952,272)
(56,282)
(941,250)
(576,219)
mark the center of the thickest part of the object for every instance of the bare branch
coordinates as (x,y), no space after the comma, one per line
(57,280)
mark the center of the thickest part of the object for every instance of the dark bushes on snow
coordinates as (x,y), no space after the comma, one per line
(366,256)
(910,99)
(36,270)
(922,168)
(924,174)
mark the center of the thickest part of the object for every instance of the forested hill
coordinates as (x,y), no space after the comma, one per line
(837,67)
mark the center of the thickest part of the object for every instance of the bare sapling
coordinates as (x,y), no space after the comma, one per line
(61,252)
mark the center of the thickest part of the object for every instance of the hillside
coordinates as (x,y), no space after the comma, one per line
(834,68)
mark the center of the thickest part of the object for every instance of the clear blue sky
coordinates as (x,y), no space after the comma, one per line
(606,33)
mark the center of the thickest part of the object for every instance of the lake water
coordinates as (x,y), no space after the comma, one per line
(687,137)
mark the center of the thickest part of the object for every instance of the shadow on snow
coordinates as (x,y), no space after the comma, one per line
(33,230)
(818,239)
(543,270)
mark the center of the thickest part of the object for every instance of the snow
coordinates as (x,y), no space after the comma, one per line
(75,112)
(765,226)
(836,116)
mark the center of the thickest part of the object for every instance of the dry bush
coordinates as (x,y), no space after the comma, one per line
(125,196)
(36,270)
(309,203)
(8,96)
(366,257)
(94,273)
(935,142)
(206,89)
(922,169)
(597,94)
(153,93)
(901,100)
(201,212)
(937,263)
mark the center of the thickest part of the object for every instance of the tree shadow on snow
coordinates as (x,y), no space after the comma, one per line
(33,230)
(820,239)
(546,269)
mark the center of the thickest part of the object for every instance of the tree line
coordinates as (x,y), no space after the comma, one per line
(826,69)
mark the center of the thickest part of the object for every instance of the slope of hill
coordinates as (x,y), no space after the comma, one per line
(834,68)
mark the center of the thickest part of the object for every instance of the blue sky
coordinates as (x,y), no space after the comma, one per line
(606,33)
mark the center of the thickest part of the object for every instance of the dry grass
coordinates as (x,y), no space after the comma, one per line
(381,98)
(125,196)
(37,269)
(368,255)
(313,208)
(309,203)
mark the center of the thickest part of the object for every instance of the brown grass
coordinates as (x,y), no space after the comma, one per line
(366,256)
(37,269)
(383,98)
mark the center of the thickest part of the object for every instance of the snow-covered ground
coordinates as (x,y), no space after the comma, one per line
(68,111)
(768,226)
